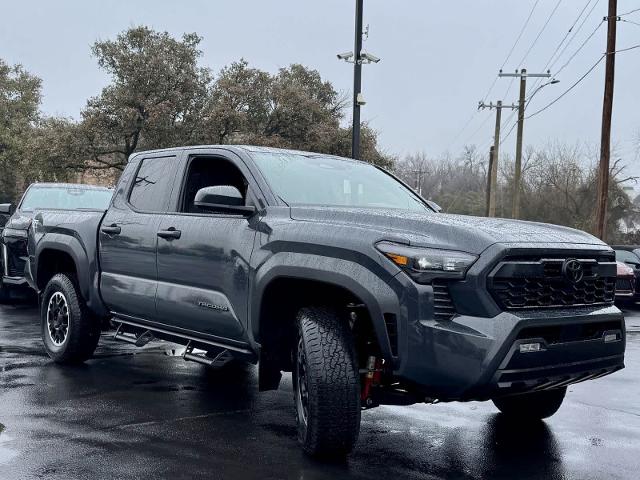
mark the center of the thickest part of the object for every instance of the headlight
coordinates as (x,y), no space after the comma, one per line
(425,264)
(14,232)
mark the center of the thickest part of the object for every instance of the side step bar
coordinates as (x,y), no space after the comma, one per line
(182,338)
(222,357)
(137,340)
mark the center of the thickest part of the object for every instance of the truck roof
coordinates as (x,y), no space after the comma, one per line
(250,149)
(81,186)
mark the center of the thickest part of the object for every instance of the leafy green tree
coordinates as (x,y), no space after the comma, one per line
(155,98)
(19,102)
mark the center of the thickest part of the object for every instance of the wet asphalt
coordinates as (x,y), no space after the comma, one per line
(142,414)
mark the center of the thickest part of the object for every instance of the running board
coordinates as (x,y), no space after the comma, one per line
(221,359)
(137,340)
(181,338)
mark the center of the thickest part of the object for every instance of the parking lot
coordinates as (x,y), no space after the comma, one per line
(141,413)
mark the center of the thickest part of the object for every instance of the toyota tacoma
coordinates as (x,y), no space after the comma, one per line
(336,271)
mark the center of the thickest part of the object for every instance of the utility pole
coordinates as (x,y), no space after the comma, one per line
(493,158)
(515,211)
(357,83)
(490,189)
(607,110)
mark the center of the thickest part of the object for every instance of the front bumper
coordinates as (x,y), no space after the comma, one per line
(14,259)
(477,358)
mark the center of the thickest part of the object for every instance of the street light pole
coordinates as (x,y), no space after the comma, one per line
(357,82)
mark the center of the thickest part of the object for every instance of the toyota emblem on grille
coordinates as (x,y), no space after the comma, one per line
(572,270)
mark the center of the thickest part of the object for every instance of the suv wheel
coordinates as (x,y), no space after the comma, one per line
(69,332)
(326,383)
(532,406)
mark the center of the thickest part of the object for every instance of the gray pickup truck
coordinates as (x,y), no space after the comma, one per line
(335,270)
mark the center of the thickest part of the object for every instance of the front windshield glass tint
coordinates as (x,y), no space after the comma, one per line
(320,180)
(66,198)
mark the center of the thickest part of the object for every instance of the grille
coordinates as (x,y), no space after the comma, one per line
(443,308)
(573,332)
(624,284)
(540,283)
(16,251)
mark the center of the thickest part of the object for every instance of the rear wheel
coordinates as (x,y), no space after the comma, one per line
(531,406)
(70,332)
(326,383)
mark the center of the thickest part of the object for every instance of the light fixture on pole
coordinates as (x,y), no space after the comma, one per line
(358,58)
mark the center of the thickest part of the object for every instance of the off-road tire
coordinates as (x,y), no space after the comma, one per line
(83,330)
(325,365)
(531,406)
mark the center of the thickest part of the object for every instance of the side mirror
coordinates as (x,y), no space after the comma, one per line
(222,199)
(434,205)
(6,208)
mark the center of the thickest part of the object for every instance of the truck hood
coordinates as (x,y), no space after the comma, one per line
(456,232)
(20,220)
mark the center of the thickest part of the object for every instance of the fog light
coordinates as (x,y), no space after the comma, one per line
(530,347)
(611,337)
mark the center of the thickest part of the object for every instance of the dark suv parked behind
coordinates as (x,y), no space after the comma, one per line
(39,196)
(336,271)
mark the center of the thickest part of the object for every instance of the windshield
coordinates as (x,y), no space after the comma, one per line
(66,198)
(626,256)
(320,180)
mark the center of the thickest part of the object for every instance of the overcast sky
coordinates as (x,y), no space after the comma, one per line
(438,58)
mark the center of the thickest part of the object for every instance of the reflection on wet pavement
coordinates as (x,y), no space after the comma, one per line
(139,413)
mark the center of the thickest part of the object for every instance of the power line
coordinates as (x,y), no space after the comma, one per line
(526,23)
(575,34)
(568,89)
(629,13)
(633,47)
(513,47)
(629,21)
(535,41)
(464,127)
(533,44)
(508,119)
(585,41)
(566,35)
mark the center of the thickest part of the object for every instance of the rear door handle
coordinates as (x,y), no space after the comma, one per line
(112,229)
(170,233)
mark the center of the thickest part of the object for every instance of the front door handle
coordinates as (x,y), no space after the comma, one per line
(170,233)
(112,229)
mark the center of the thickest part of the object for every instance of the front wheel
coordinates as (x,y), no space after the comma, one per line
(326,383)
(70,332)
(531,406)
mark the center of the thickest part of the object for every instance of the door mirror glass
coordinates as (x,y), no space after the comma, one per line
(6,208)
(222,199)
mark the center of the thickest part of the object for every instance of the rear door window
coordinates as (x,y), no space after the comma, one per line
(151,190)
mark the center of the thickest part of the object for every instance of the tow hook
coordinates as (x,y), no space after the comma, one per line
(372,376)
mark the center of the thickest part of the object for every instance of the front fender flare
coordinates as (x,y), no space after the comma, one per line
(379,293)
